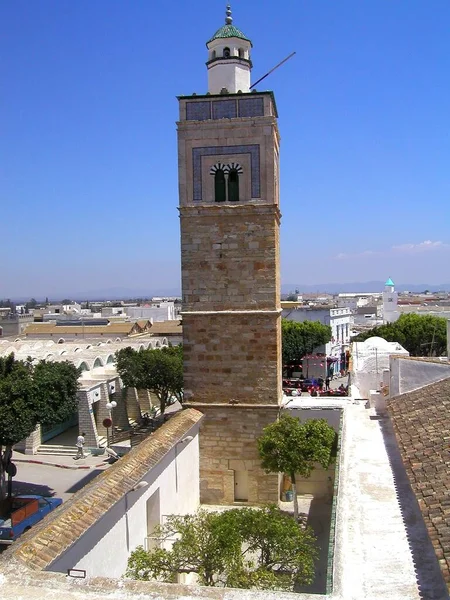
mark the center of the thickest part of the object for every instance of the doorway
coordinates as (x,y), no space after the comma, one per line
(240,486)
(153,519)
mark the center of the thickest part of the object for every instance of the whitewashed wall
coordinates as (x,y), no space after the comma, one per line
(409,375)
(104,549)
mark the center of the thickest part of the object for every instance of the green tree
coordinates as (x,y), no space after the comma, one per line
(421,335)
(289,446)
(157,370)
(55,391)
(45,393)
(31,304)
(299,339)
(243,548)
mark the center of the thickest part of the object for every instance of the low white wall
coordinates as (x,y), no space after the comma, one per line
(104,549)
(331,415)
(409,375)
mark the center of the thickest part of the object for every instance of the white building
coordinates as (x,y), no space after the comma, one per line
(154,312)
(390,302)
(339,319)
(371,361)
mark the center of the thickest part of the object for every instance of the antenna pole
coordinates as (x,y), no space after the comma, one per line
(272,70)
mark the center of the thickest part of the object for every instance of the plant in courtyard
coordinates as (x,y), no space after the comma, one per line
(300,339)
(45,393)
(421,335)
(157,370)
(289,446)
(243,548)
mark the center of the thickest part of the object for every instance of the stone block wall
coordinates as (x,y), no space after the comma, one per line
(230,257)
(86,423)
(227,444)
(232,356)
(30,444)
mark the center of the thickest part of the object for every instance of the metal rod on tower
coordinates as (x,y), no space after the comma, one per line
(272,70)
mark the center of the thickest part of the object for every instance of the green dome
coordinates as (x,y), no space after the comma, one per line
(389,282)
(228,31)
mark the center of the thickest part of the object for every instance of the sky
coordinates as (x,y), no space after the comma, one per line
(88,156)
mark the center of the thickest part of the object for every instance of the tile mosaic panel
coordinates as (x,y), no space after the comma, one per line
(198,111)
(252,149)
(224,109)
(251,107)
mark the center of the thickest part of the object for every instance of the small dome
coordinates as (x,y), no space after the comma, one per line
(377,342)
(229,30)
(389,282)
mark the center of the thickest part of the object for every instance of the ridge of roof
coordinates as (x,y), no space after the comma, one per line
(48,540)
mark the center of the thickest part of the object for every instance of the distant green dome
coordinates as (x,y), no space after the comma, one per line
(228,30)
(389,282)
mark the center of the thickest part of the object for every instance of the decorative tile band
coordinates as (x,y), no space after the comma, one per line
(224,109)
(198,153)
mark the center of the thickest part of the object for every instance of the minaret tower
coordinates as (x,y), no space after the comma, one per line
(390,302)
(228,161)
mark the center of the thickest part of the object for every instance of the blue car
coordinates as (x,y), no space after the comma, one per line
(22,512)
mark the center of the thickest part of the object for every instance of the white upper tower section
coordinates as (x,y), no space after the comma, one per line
(229,63)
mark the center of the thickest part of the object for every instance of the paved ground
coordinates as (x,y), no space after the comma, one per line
(52,481)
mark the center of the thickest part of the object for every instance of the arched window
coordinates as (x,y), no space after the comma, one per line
(213,55)
(233,185)
(226,53)
(219,186)
(241,53)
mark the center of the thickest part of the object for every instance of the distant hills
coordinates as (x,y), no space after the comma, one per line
(119,293)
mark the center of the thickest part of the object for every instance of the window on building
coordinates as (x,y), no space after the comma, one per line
(213,55)
(241,53)
(226,53)
(233,186)
(219,186)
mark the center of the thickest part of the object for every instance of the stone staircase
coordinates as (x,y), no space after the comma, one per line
(54,450)
(59,450)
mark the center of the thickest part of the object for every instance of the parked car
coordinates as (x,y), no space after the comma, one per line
(20,513)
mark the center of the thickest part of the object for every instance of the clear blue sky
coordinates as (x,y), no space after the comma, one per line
(88,160)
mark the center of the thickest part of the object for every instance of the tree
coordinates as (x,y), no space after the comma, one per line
(241,548)
(55,390)
(299,339)
(291,297)
(421,335)
(157,370)
(45,393)
(32,303)
(289,446)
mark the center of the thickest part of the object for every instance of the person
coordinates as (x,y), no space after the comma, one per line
(80,445)
(327,383)
(320,383)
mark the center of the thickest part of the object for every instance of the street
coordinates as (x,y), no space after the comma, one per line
(51,481)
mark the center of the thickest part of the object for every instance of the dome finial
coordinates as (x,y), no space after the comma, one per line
(229,18)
